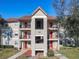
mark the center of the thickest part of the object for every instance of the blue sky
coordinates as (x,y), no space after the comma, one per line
(19,8)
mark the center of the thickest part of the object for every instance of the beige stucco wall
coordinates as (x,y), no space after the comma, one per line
(43,32)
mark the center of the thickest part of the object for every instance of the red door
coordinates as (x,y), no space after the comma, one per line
(25,35)
(50,45)
(25,44)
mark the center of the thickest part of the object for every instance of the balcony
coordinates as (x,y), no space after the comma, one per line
(52,36)
(25,35)
(53,27)
(25,38)
(25,26)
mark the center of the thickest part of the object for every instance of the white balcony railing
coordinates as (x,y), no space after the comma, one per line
(25,28)
(53,39)
(25,39)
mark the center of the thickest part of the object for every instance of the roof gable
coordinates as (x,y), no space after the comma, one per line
(39,9)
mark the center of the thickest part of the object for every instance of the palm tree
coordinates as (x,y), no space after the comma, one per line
(1,25)
(8,34)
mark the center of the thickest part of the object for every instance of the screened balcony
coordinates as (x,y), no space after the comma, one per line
(25,26)
(25,35)
(52,26)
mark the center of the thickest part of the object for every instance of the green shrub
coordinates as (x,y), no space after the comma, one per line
(6,46)
(50,53)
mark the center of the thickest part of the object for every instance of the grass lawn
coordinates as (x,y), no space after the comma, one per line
(70,52)
(7,52)
(24,57)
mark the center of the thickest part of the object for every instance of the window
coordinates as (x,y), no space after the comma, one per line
(16,24)
(25,24)
(21,24)
(39,39)
(28,34)
(16,34)
(50,24)
(29,24)
(39,23)
(29,42)
(16,42)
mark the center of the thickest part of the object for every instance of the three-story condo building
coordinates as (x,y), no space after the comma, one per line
(38,32)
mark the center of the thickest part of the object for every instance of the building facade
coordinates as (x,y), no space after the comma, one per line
(38,32)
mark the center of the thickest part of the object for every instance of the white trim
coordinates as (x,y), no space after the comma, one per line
(52,39)
(39,49)
(25,39)
(39,35)
(39,17)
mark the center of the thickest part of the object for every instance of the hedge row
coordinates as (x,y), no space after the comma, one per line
(50,53)
(6,46)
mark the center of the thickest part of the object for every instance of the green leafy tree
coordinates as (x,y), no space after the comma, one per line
(68,15)
(72,22)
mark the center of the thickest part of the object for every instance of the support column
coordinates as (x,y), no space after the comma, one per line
(33,52)
(22,45)
(58,44)
(22,34)
(45,53)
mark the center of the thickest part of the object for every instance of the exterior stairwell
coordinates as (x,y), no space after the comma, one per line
(28,53)
(19,54)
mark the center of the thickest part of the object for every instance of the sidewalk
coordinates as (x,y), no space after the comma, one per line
(60,55)
(18,54)
(33,57)
(36,56)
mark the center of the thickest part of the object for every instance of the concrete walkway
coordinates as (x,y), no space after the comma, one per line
(33,57)
(18,54)
(61,56)
(36,57)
